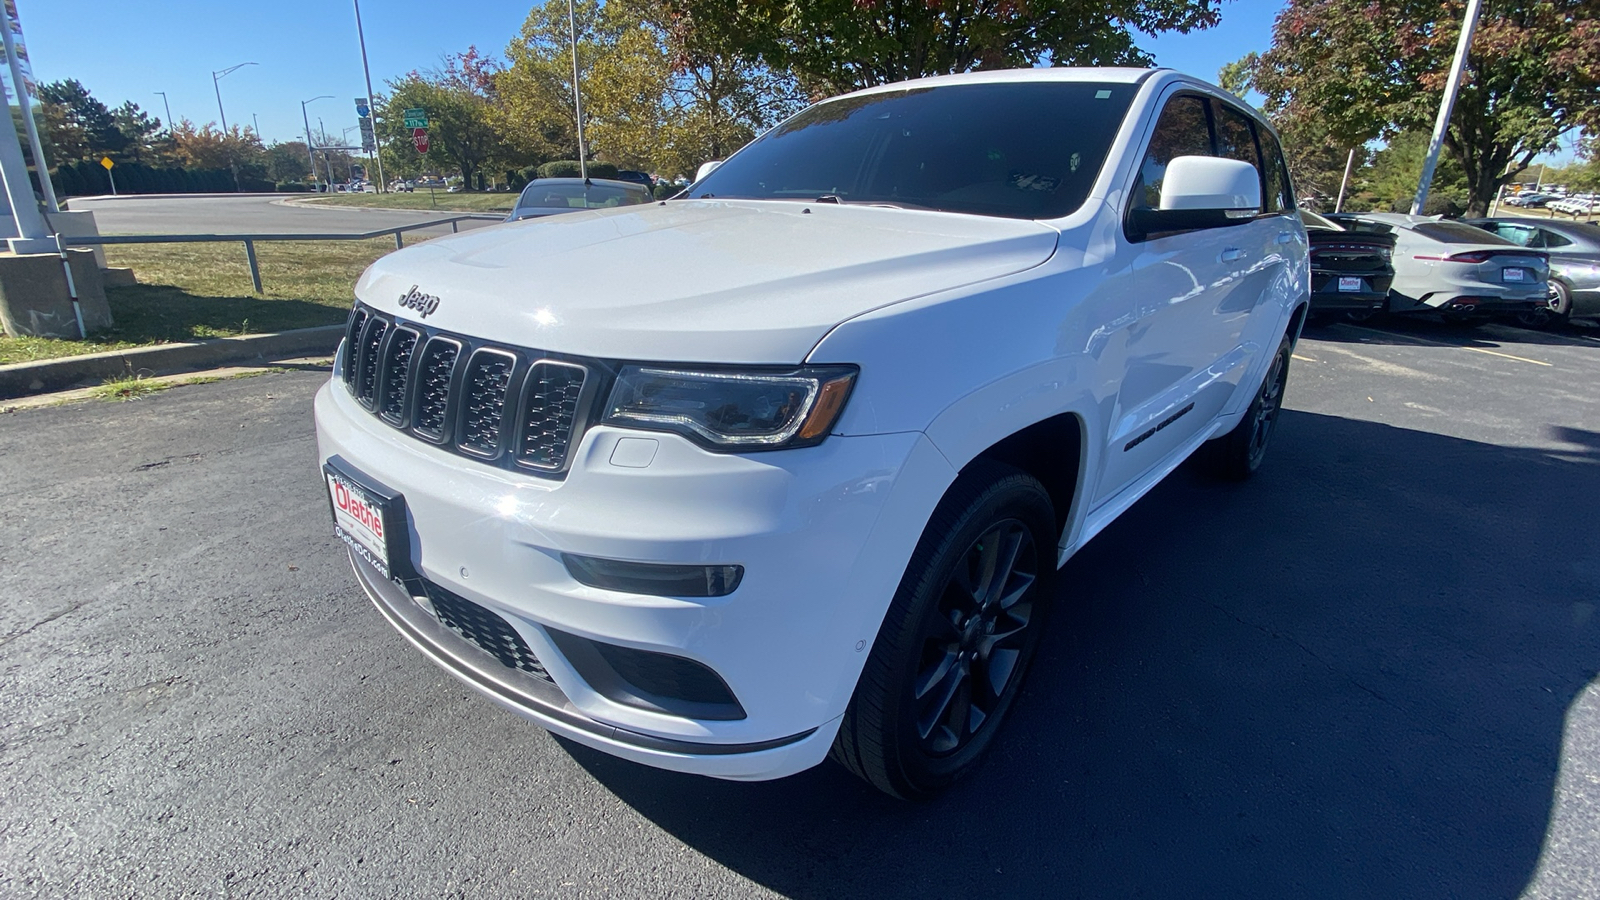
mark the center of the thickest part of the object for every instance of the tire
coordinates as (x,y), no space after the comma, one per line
(957,639)
(1237,455)
(1557,313)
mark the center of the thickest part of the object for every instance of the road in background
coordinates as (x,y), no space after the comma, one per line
(1369,672)
(252,214)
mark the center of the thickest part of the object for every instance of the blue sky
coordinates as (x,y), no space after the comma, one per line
(130,50)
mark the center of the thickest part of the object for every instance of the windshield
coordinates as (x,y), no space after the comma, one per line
(1020,150)
(575,195)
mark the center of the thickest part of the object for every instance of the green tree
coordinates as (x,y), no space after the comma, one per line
(836,45)
(208,147)
(461,105)
(1361,70)
(286,161)
(78,122)
(1390,181)
(537,111)
(718,99)
(140,133)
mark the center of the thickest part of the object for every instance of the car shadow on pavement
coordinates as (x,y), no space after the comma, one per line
(1417,330)
(1347,677)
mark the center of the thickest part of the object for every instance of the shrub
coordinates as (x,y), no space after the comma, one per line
(568,168)
(293,187)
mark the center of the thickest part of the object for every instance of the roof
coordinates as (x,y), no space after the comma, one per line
(1105,74)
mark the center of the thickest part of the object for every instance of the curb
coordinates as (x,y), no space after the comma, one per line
(24,379)
(171,196)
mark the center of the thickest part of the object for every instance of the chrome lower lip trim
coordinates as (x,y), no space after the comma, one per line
(541,700)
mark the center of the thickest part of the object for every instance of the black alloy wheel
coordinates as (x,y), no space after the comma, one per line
(972,646)
(1264,411)
(950,657)
(1237,455)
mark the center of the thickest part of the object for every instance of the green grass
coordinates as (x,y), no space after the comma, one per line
(129,387)
(419,199)
(190,292)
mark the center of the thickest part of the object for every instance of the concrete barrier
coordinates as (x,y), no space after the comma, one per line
(35,300)
(23,379)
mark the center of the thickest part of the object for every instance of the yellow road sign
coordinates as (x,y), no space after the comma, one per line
(106,161)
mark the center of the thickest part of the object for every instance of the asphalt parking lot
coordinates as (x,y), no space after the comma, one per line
(1370,672)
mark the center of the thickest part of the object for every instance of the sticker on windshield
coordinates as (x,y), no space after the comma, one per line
(1024,182)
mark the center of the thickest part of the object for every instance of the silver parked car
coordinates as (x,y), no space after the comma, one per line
(551,196)
(1574,250)
(1460,272)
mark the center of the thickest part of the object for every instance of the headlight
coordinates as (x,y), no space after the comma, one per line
(733,410)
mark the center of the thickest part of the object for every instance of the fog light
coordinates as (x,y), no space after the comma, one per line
(655,579)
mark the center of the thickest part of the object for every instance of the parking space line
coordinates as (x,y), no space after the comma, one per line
(1419,340)
(1302,358)
(1536,362)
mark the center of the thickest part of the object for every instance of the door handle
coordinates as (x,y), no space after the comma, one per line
(1285,237)
(1231,254)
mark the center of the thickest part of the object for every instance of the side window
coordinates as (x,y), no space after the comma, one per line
(1277,197)
(1551,239)
(1184,129)
(1519,234)
(1235,138)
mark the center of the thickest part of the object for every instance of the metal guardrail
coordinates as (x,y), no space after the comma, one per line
(249,240)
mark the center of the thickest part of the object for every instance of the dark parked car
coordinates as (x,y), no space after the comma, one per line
(1574,249)
(551,196)
(636,177)
(1351,270)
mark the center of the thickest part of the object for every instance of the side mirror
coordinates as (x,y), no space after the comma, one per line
(706,168)
(1202,192)
(1210,182)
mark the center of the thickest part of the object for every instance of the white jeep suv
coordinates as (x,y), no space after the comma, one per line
(785,466)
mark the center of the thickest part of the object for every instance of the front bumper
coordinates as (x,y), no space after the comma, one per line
(824,534)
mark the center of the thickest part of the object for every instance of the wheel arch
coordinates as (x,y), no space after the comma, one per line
(1053,450)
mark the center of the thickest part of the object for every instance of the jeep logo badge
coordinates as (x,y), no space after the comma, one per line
(422,303)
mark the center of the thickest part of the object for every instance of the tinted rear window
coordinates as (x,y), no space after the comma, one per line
(577,196)
(1028,150)
(1457,233)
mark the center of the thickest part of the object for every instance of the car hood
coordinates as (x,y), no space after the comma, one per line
(696,280)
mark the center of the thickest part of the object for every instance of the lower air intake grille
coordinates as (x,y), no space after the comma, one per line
(486,629)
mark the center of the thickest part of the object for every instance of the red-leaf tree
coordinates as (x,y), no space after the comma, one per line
(1355,70)
(836,45)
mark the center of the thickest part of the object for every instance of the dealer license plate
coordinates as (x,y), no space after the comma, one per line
(1513,274)
(358,519)
(1349,285)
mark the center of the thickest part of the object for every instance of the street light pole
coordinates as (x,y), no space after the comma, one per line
(1446,105)
(577,93)
(168,107)
(257,122)
(217,77)
(372,102)
(310,157)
